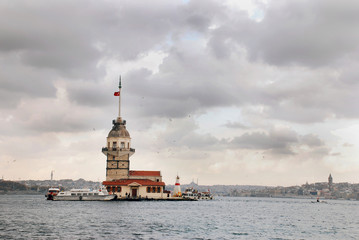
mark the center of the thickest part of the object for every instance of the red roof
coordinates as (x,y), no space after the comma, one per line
(125,182)
(146,173)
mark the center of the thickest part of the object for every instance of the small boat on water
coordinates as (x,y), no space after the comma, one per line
(193,194)
(51,193)
(319,201)
(190,193)
(84,195)
(205,195)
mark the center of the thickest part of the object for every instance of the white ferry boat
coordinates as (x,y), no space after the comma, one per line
(205,195)
(84,195)
(190,193)
(52,192)
(193,194)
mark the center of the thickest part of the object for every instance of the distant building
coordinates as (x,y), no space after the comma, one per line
(122,181)
(330,182)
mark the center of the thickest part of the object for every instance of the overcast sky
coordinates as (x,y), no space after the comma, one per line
(226,92)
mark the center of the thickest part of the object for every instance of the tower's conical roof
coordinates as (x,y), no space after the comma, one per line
(119,130)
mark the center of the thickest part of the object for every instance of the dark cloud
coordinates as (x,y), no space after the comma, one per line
(312,33)
(182,133)
(90,94)
(278,141)
(170,94)
(68,41)
(311,140)
(71,39)
(18,82)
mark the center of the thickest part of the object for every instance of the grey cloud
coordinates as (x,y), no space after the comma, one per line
(319,152)
(298,65)
(71,39)
(312,33)
(185,85)
(90,94)
(235,125)
(18,82)
(336,154)
(311,140)
(291,112)
(277,141)
(280,141)
(199,15)
(182,133)
(177,95)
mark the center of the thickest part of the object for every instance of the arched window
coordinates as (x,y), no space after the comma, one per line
(153,189)
(148,189)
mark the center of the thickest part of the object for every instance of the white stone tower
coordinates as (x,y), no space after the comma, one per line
(118,150)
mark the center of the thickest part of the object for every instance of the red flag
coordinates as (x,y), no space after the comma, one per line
(116,94)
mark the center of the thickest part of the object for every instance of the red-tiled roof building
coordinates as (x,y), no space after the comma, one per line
(120,179)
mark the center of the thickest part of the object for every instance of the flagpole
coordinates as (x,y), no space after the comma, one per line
(119,101)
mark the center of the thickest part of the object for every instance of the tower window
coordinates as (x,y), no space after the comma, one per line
(122,145)
(114,144)
(113,157)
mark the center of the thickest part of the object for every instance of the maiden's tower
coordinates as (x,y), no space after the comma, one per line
(126,183)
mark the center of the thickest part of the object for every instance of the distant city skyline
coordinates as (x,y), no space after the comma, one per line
(227,92)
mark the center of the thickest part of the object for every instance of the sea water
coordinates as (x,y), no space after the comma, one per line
(33,217)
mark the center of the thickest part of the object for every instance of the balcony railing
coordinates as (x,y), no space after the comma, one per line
(105,149)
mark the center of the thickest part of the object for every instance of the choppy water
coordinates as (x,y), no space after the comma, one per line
(32,217)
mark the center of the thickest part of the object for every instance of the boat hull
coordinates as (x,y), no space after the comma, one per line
(84,198)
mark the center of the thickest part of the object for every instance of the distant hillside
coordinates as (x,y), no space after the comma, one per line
(65,184)
(41,186)
(221,190)
(6,186)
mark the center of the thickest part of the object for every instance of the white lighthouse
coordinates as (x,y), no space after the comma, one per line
(177,188)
